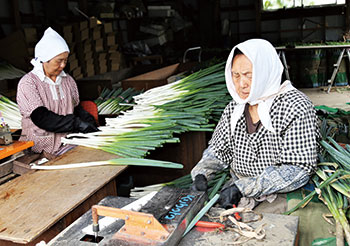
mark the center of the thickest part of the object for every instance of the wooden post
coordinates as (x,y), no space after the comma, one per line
(258,9)
(16,15)
(347,15)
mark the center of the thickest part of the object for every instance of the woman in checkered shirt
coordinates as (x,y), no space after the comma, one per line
(267,135)
(48,98)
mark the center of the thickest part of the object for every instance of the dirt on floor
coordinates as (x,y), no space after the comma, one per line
(336,98)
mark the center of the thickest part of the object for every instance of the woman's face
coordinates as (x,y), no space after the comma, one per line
(242,71)
(55,66)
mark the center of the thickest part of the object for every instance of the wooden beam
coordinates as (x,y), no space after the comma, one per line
(258,9)
(347,15)
(302,12)
(16,15)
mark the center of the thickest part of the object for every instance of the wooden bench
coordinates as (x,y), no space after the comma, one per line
(39,204)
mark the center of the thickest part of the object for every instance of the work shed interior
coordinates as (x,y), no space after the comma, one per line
(133,123)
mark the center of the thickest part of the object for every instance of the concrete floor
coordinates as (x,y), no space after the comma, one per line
(337,98)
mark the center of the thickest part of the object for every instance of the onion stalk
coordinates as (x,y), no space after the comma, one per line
(159,113)
(117,161)
(10,113)
(115,101)
(332,182)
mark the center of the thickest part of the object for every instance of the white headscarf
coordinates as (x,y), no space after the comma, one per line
(49,46)
(266,80)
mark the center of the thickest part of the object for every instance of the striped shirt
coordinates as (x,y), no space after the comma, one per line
(36,90)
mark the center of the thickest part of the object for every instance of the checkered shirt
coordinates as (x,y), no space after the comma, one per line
(294,143)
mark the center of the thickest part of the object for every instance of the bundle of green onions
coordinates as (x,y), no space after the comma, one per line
(10,113)
(193,103)
(332,184)
(116,161)
(184,182)
(115,101)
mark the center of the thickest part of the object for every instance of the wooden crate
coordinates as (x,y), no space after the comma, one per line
(155,78)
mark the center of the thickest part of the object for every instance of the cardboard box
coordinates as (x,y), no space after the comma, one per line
(107,27)
(68,37)
(113,48)
(100,62)
(87,46)
(113,66)
(114,55)
(88,55)
(110,39)
(73,64)
(79,48)
(100,66)
(81,35)
(80,76)
(151,79)
(76,72)
(103,69)
(101,55)
(72,46)
(90,72)
(87,64)
(92,22)
(96,33)
(83,25)
(68,33)
(98,45)
(72,56)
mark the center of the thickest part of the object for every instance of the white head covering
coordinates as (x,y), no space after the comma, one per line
(49,46)
(266,80)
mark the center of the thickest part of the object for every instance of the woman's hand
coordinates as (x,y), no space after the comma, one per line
(200,183)
(229,196)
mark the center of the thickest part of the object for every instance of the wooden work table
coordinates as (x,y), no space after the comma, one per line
(38,205)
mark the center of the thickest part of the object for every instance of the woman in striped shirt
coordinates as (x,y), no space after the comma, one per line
(48,98)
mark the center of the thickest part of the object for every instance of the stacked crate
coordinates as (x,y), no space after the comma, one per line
(83,48)
(113,56)
(73,66)
(93,48)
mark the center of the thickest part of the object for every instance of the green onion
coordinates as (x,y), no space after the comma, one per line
(185,105)
(201,213)
(114,101)
(10,112)
(117,161)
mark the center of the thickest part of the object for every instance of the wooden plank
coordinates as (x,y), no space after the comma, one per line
(6,168)
(35,201)
(107,191)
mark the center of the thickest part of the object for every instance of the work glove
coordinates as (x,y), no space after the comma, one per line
(229,196)
(85,127)
(200,183)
